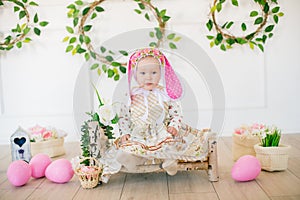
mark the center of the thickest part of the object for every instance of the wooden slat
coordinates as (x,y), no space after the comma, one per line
(181,166)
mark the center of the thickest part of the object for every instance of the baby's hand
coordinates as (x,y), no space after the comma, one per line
(172,130)
(124,138)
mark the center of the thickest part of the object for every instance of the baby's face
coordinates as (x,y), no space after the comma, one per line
(148,73)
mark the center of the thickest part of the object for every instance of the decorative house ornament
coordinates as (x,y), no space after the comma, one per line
(20,145)
(264,20)
(104,61)
(20,34)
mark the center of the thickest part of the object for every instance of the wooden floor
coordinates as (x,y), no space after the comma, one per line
(184,185)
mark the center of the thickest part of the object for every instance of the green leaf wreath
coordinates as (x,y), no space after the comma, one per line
(265,19)
(21,33)
(103,60)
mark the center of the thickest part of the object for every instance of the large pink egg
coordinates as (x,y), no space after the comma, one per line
(60,171)
(246,168)
(38,164)
(18,172)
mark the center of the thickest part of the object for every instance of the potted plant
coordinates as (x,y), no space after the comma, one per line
(97,132)
(96,138)
(48,140)
(272,155)
(243,140)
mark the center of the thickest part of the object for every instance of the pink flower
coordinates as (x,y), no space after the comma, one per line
(257,126)
(87,169)
(147,51)
(37,130)
(47,134)
(239,131)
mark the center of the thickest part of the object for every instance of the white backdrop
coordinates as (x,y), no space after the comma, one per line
(37,82)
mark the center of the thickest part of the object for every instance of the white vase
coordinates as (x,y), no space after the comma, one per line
(273,158)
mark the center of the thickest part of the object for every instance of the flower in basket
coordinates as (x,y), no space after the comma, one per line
(270,136)
(244,138)
(106,118)
(275,156)
(38,133)
(253,130)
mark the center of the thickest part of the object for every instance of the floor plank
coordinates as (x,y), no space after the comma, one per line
(145,186)
(8,191)
(191,185)
(293,166)
(286,198)
(194,196)
(50,190)
(227,188)
(282,183)
(225,161)
(189,182)
(112,190)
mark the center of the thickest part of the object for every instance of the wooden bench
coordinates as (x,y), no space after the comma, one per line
(210,163)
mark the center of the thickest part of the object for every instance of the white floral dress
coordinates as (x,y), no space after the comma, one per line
(151,112)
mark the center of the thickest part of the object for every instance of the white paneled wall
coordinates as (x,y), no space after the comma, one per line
(37,82)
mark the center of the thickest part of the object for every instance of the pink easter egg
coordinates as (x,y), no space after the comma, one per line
(60,171)
(38,164)
(18,172)
(246,168)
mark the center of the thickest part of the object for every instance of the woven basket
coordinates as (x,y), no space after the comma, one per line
(90,179)
(243,145)
(273,158)
(52,148)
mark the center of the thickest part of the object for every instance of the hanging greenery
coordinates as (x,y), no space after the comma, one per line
(79,42)
(265,19)
(21,33)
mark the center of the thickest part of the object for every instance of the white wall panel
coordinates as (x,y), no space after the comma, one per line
(38,81)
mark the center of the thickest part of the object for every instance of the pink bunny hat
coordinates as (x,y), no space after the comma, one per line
(173,85)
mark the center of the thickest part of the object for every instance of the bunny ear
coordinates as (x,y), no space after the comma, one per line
(173,85)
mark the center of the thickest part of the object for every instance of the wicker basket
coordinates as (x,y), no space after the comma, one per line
(89,179)
(273,158)
(243,145)
(52,148)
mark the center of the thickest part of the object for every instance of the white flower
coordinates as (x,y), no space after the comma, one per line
(263,135)
(75,162)
(106,114)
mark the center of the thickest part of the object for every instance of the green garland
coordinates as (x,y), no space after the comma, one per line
(20,34)
(105,60)
(265,26)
